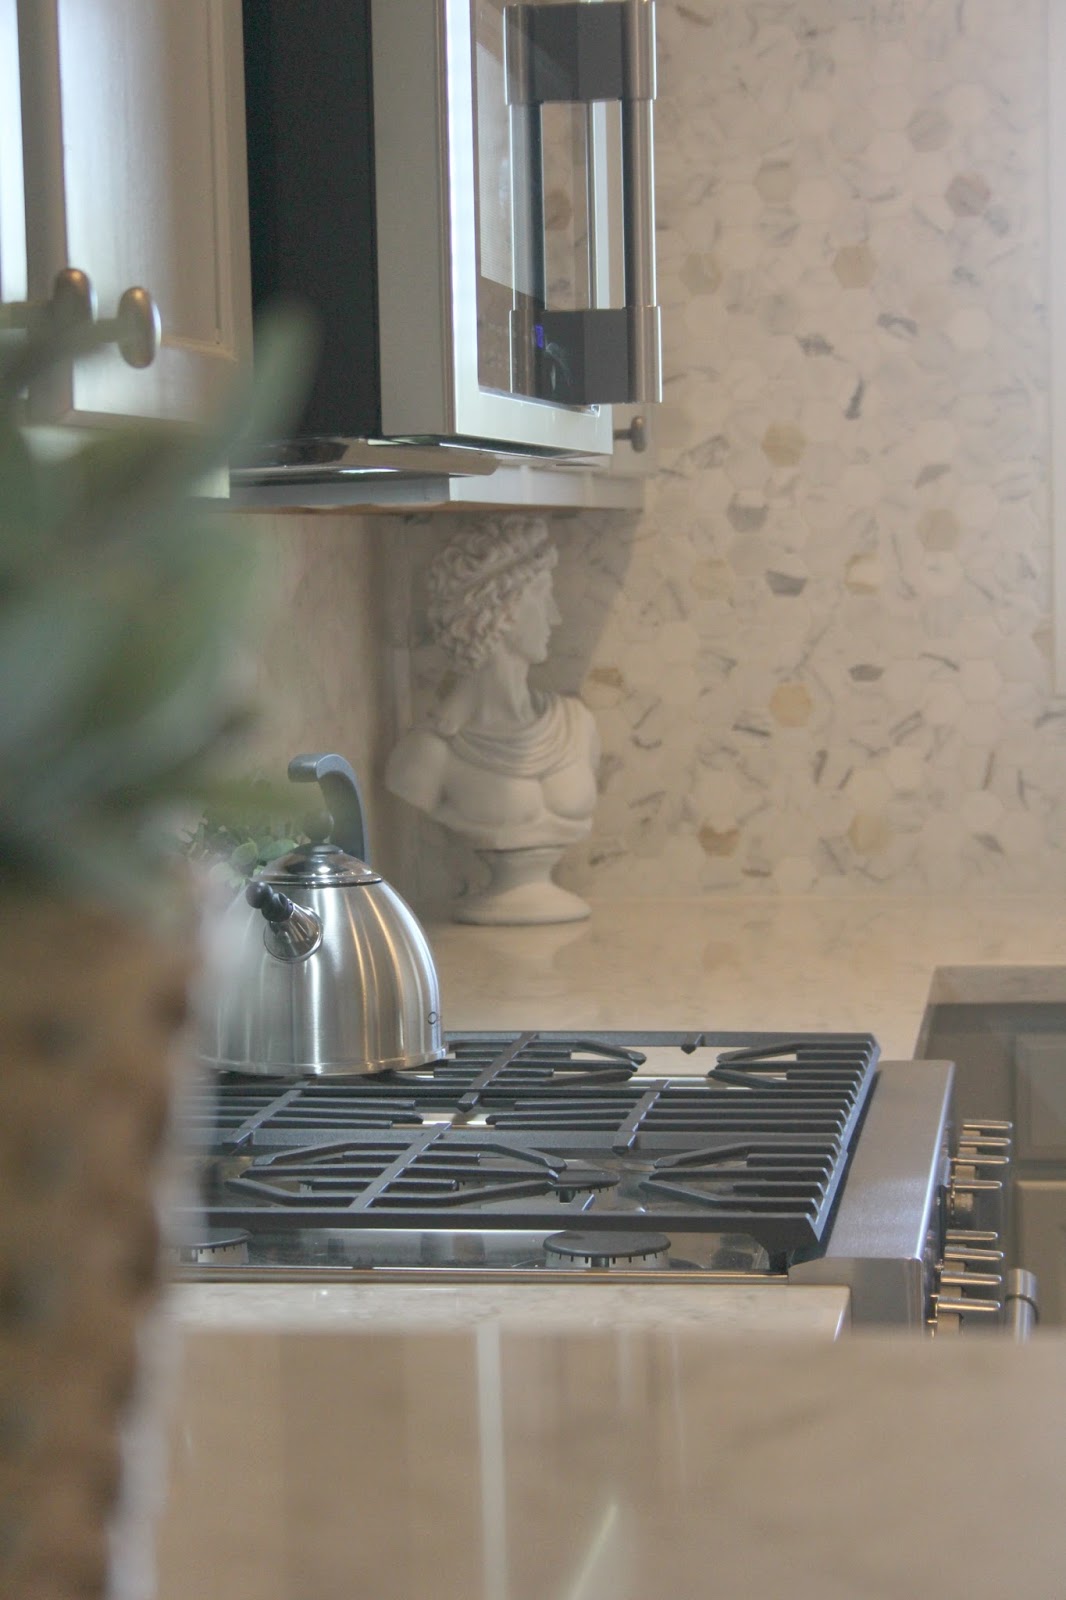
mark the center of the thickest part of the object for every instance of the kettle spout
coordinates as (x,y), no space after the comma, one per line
(292,932)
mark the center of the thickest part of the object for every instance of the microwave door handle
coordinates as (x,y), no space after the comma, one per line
(582,54)
(638,201)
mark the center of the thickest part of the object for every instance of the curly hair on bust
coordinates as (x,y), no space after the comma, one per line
(475,580)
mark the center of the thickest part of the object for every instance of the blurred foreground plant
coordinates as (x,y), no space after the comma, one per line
(124,599)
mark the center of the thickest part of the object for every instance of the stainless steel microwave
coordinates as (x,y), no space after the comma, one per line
(463,191)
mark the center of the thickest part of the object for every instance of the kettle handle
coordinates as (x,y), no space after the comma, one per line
(342,796)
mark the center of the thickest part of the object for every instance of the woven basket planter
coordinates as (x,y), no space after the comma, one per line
(91,1015)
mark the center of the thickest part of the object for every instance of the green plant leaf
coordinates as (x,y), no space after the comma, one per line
(20,517)
(287,342)
(123,606)
(53,641)
(275,850)
(29,356)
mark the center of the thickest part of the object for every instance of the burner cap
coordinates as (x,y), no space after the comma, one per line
(213,1247)
(607,1249)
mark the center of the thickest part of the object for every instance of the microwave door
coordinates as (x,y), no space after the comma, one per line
(559,268)
(580,80)
(521,248)
(537,196)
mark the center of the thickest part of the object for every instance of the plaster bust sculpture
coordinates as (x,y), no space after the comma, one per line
(510,768)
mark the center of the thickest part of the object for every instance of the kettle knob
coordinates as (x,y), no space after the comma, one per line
(275,906)
(342,796)
(292,932)
(318,826)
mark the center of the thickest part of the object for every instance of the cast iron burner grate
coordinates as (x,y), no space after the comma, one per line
(535,1131)
(481,1070)
(358,1176)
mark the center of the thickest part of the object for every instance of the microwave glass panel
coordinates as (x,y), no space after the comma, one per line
(543,186)
(565,159)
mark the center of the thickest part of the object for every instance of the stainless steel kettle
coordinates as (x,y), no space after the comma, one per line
(325,969)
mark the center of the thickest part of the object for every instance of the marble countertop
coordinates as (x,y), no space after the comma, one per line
(498,1464)
(740,963)
(735,1309)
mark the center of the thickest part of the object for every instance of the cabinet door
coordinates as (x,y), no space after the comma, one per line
(12,201)
(1040,1097)
(134,152)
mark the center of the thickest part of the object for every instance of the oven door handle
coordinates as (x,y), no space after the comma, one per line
(1021,1303)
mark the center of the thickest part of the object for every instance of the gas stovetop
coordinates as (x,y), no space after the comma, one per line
(547,1147)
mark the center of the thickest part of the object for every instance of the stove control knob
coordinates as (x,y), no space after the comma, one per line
(969,1159)
(971,1280)
(991,1130)
(967,1282)
(966,1255)
(973,1151)
(963,1195)
(978,1168)
(959,1306)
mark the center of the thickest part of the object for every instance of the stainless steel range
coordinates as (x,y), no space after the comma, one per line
(713,1156)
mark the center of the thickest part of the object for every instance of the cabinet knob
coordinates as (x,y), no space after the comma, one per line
(72,303)
(136,328)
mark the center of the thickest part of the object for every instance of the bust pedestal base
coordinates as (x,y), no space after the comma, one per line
(520,890)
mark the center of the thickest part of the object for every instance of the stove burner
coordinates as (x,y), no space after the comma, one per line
(214,1247)
(597,1251)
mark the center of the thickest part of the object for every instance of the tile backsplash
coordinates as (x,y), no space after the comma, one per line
(820,658)
(320,668)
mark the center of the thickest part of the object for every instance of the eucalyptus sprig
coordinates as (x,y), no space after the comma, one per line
(237,835)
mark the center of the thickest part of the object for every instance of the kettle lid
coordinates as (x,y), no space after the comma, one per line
(321,865)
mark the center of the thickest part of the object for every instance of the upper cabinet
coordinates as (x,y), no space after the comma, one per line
(134,174)
(125,131)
